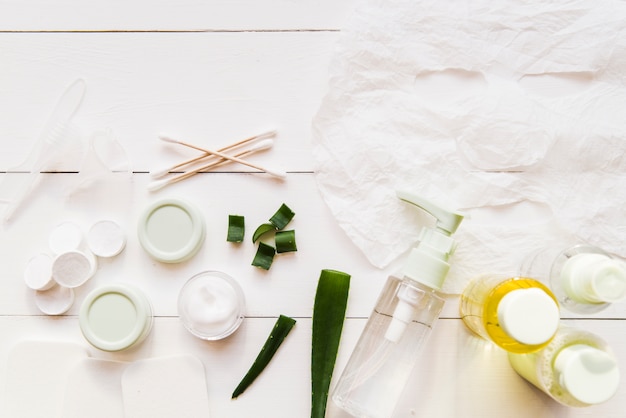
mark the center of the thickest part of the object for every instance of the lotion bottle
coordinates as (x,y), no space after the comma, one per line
(378,369)
(518,314)
(584,278)
(576,369)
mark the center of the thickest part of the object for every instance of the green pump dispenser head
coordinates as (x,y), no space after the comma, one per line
(428,262)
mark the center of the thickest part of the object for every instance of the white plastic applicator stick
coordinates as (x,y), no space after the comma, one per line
(279,174)
(162,173)
(156,185)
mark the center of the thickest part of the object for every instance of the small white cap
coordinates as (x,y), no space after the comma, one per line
(66,236)
(590,375)
(594,278)
(106,239)
(73,268)
(54,301)
(38,272)
(529,316)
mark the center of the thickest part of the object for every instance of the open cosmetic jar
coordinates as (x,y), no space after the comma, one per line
(211,305)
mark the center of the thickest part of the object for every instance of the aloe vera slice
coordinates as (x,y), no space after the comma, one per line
(236,228)
(281,328)
(264,256)
(329,310)
(285,241)
(262,230)
(282,217)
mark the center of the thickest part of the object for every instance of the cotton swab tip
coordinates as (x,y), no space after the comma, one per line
(167,139)
(262,145)
(156,185)
(277,173)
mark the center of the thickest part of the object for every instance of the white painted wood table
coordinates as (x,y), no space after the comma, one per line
(212,72)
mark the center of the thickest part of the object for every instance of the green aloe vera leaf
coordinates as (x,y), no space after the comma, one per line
(283,325)
(329,310)
(282,217)
(262,230)
(236,228)
(264,256)
(285,241)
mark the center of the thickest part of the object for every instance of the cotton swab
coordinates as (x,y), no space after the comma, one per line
(166,171)
(158,184)
(275,173)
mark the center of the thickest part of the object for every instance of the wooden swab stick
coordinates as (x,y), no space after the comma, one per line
(158,184)
(279,174)
(162,173)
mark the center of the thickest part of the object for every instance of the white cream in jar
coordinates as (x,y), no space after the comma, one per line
(211,305)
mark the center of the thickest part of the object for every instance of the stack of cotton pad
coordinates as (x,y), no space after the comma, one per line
(73,261)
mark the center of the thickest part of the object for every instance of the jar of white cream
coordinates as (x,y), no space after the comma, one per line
(211,305)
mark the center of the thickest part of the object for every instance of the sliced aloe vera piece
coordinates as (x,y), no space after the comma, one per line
(329,310)
(262,230)
(236,228)
(285,241)
(274,340)
(282,217)
(264,256)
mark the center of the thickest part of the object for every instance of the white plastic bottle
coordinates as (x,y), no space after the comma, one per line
(518,314)
(576,369)
(584,278)
(375,376)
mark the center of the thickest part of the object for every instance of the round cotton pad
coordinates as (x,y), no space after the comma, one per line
(73,268)
(106,239)
(54,301)
(38,272)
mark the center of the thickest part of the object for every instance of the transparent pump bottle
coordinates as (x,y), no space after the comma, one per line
(375,376)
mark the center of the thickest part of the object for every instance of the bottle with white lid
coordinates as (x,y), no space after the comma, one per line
(406,310)
(518,314)
(576,369)
(584,278)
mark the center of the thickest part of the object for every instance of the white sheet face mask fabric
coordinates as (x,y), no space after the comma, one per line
(481,107)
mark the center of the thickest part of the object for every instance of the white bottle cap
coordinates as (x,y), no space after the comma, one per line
(529,316)
(38,272)
(66,236)
(106,239)
(73,268)
(590,375)
(54,301)
(594,278)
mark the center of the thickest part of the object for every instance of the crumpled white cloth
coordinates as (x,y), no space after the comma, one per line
(514,112)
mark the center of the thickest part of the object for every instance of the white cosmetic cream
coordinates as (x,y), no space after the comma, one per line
(211,305)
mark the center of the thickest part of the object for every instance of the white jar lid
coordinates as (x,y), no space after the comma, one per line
(115,317)
(590,375)
(171,230)
(66,236)
(529,316)
(54,301)
(73,268)
(38,272)
(211,305)
(106,239)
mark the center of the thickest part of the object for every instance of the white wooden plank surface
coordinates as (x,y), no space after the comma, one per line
(212,72)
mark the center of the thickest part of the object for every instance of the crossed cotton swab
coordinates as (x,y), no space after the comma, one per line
(166,171)
(222,158)
(158,184)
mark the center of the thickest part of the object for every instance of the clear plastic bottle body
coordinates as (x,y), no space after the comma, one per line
(547,264)
(375,376)
(538,368)
(479,309)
